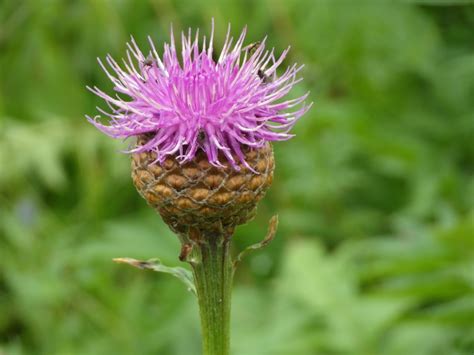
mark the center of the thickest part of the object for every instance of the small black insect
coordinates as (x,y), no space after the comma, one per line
(252,47)
(201,136)
(264,77)
(149,61)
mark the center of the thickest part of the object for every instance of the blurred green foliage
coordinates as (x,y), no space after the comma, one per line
(375,252)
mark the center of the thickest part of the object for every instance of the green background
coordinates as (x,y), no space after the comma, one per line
(375,250)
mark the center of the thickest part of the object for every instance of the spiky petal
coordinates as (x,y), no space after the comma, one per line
(199,103)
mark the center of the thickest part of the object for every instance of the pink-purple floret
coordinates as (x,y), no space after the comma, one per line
(197,102)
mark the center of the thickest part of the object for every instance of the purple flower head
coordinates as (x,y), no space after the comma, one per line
(198,102)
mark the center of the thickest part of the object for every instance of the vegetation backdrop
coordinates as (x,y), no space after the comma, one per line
(375,251)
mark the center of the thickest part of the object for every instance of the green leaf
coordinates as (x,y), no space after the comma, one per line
(180,273)
(272,227)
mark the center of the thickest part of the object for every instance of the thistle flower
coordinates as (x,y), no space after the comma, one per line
(203,125)
(200,103)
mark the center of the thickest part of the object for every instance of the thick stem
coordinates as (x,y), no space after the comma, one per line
(213,274)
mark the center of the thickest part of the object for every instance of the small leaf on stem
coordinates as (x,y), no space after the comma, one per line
(182,274)
(272,227)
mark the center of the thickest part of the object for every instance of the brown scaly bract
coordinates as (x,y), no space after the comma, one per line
(197,194)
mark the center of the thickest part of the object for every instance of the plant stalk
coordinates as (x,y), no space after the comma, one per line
(213,274)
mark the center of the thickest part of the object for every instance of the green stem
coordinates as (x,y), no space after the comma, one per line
(213,274)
